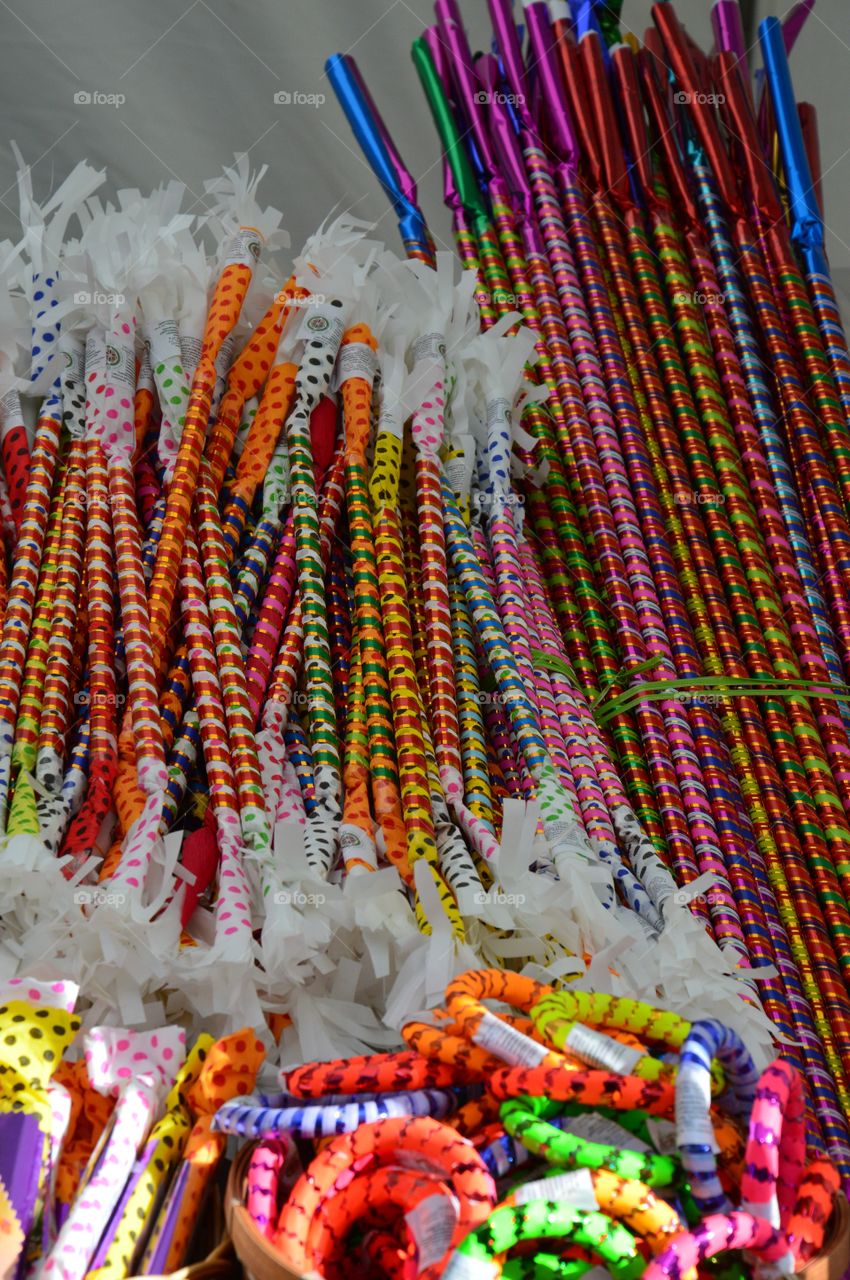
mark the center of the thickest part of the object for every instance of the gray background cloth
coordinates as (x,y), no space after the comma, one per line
(199,79)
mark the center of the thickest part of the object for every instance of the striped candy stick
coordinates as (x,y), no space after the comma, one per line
(681,650)
(398,640)
(428,377)
(599,370)
(747,895)
(619,814)
(231,670)
(357,828)
(288,660)
(540,427)
(339,624)
(668,452)
(779,299)
(568,535)
(500,722)
(762,400)
(745,451)
(597,819)
(250,578)
(23,814)
(228,296)
(456,824)
(56,702)
(454,828)
(368,621)
(32,689)
(17,620)
(478,794)
(233,912)
(558,819)
(99,566)
(247,376)
(801,720)
(322,329)
(272,617)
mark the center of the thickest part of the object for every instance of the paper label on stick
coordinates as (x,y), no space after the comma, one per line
(693,1100)
(244,249)
(428,346)
(462,1267)
(355,360)
(431,1224)
(575,1187)
(505,1042)
(663,1135)
(600,1129)
(417,1162)
(323,324)
(602,1051)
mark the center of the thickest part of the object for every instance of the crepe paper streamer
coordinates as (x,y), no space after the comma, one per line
(452,1158)
(530,1121)
(479,1255)
(139,1088)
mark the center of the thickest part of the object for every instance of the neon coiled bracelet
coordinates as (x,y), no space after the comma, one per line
(697,1143)
(775,1184)
(529,1121)
(569,1020)
(373,1073)
(417,1142)
(480,1256)
(245,1118)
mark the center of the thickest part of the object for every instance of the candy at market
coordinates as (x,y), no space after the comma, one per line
(423,692)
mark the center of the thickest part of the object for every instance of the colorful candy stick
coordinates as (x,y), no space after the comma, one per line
(226,304)
(19,609)
(356,394)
